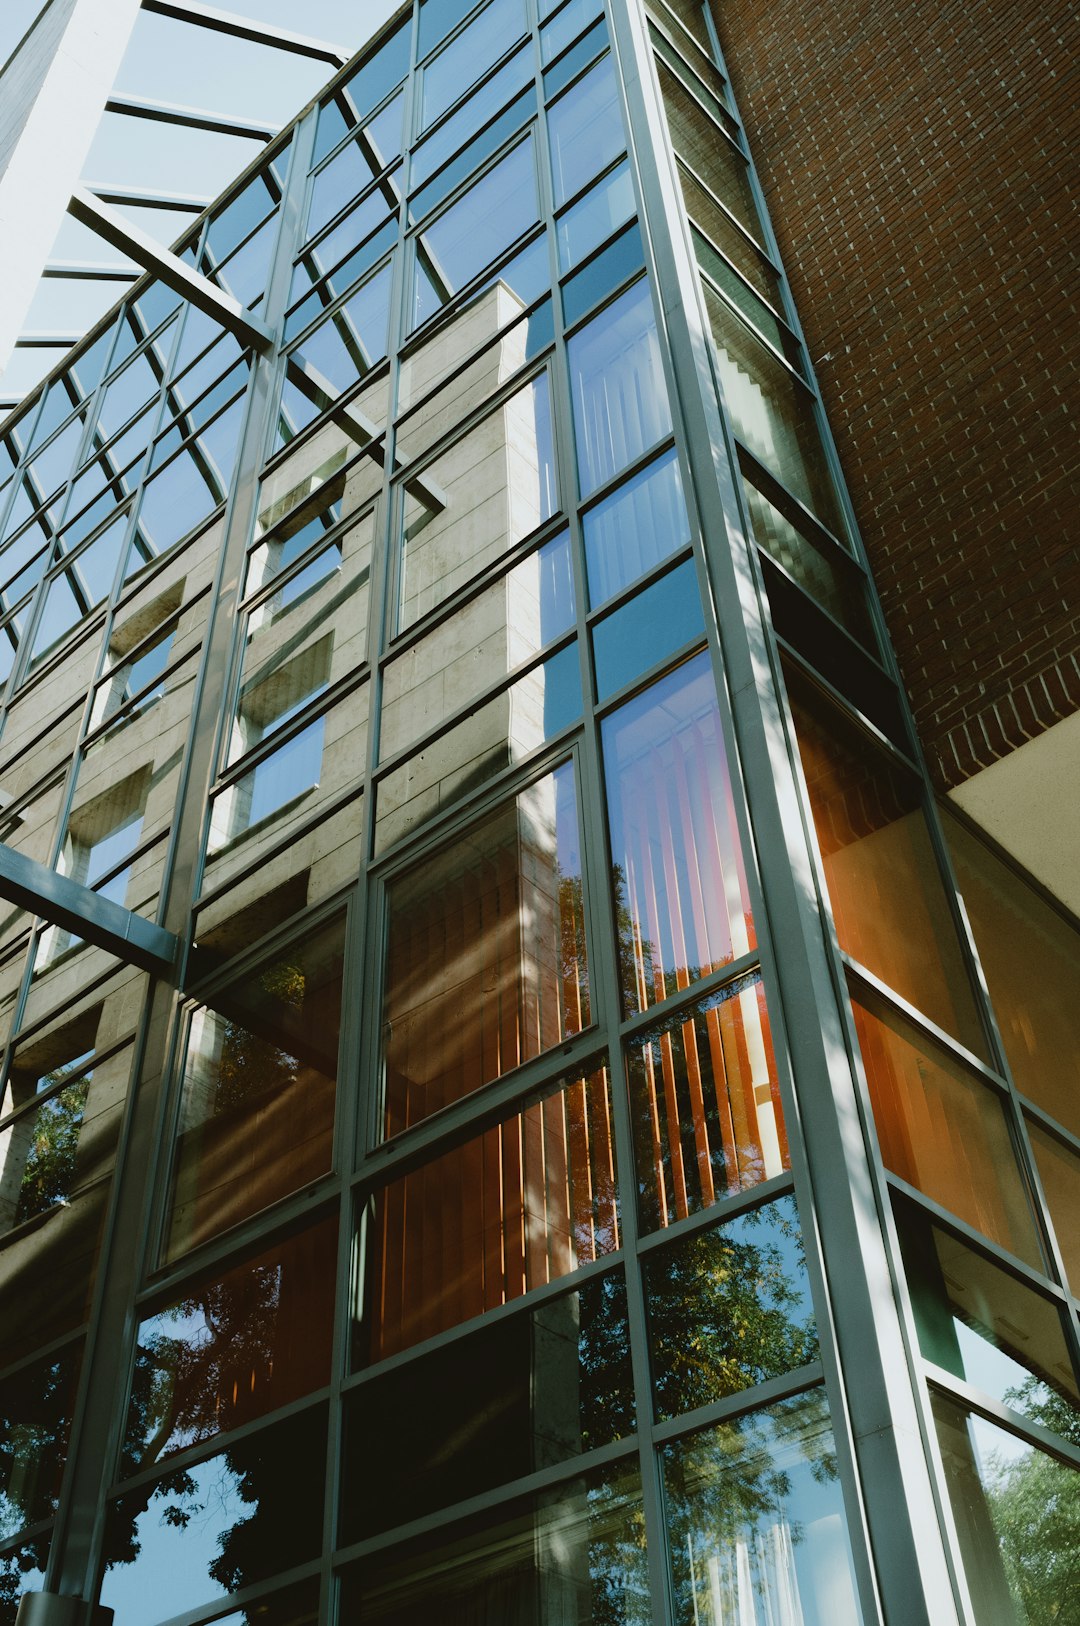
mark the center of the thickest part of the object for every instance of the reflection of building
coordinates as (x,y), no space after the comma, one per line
(503,1118)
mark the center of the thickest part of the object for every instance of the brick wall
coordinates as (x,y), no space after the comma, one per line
(917,164)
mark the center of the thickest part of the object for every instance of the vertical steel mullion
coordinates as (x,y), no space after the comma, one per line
(600,923)
(896,1480)
(135,1207)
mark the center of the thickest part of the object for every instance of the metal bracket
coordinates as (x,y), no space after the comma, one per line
(65,903)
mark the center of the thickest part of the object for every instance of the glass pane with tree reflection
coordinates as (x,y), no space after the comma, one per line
(486,962)
(233,1348)
(680,886)
(214,1526)
(537,1388)
(756,1522)
(35,1415)
(524,1203)
(257,1111)
(705,1103)
(574,1554)
(729,1308)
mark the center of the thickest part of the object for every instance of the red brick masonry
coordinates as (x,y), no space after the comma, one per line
(919,165)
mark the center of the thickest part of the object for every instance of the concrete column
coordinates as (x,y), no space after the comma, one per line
(52,93)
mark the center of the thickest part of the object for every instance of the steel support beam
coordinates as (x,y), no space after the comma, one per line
(225,22)
(52,91)
(192,118)
(88,271)
(183,202)
(75,908)
(170,269)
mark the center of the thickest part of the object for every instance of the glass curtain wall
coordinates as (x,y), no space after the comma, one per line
(477,1275)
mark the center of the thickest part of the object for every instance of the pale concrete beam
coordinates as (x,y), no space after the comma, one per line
(90,271)
(75,908)
(52,92)
(169,268)
(136,197)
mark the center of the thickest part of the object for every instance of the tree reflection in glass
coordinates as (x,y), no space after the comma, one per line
(35,1414)
(756,1522)
(260,1072)
(729,1308)
(207,1529)
(233,1348)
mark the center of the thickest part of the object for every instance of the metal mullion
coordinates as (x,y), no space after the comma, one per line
(601,915)
(874,1415)
(488,1501)
(126,713)
(717,1213)
(626,595)
(29,1532)
(1025,1428)
(335,304)
(533,1299)
(518,95)
(800,1380)
(333,534)
(322,284)
(693,997)
(75,1560)
(652,674)
(190,1456)
(479,801)
(1046,1121)
(769,306)
(665,21)
(474,1114)
(460,101)
(792,372)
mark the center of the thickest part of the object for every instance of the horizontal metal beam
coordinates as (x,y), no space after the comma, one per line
(75,908)
(88,271)
(192,118)
(226,22)
(185,203)
(46,341)
(170,269)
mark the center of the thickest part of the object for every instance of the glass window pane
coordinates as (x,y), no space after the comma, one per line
(729,1308)
(353,339)
(505,625)
(636,528)
(585,130)
(501,733)
(816,565)
(619,393)
(224,1523)
(1059,1171)
(365,87)
(596,280)
(483,496)
(523,1204)
(471,994)
(756,1521)
(538,1388)
(590,46)
(705,1105)
(887,896)
(1031,957)
(343,179)
(944,1131)
(707,152)
(35,1416)
(718,225)
(772,412)
(663,618)
(1017,1512)
(257,1107)
(599,213)
(474,50)
(985,1327)
(458,130)
(474,231)
(574,1555)
(234,1347)
(683,909)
